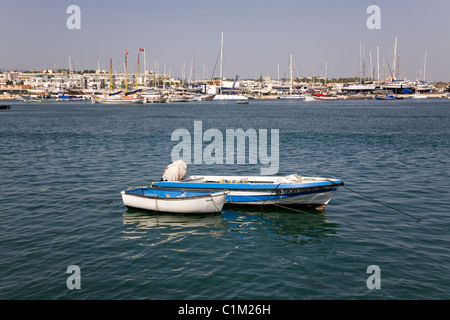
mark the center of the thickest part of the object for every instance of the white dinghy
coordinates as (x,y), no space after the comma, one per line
(175,201)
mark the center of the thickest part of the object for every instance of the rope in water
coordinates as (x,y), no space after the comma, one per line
(111,201)
(382,203)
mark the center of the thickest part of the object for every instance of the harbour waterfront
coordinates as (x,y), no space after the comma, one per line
(64,165)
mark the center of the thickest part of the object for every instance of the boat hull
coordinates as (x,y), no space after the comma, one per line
(313,199)
(359,97)
(321,98)
(39,99)
(124,100)
(309,98)
(292,96)
(157,100)
(177,99)
(314,194)
(385,97)
(229,97)
(154,200)
(382,98)
(418,96)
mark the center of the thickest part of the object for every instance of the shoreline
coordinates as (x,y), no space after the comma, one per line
(276,97)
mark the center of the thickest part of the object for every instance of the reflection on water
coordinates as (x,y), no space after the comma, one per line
(170,227)
(147,219)
(275,226)
(282,226)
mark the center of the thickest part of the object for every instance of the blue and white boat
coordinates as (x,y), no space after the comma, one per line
(69,97)
(292,190)
(385,96)
(173,200)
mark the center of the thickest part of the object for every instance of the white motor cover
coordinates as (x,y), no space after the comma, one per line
(175,171)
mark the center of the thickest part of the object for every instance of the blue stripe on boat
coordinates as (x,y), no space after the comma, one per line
(243,186)
(274,196)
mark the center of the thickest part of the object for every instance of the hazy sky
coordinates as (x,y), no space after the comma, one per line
(258,35)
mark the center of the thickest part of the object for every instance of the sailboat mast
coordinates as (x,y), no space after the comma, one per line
(278,69)
(137,72)
(425,67)
(70,73)
(292,74)
(360,62)
(378,64)
(126,76)
(191,76)
(145,70)
(221,62)
(110,75)
(394,68)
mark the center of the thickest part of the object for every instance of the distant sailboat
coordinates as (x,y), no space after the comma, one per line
(362,88)
(325,98)
(222,95)
(417,95)
(119,97)
(423,85)
(291,94)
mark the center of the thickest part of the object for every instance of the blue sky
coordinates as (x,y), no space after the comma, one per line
(258,35)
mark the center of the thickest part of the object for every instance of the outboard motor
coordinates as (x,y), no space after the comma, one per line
(175,171)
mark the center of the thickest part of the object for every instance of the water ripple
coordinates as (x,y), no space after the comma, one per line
(63,167)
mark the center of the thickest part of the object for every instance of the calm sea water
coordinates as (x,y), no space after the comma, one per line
(63,166)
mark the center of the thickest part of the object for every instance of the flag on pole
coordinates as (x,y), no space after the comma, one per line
(141,50)
(126,51)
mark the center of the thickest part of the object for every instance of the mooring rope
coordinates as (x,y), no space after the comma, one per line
(376,201)
(382,203)
(111,201)
(214,203)
(269,195)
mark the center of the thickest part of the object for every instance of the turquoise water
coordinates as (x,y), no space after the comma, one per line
(63,166)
